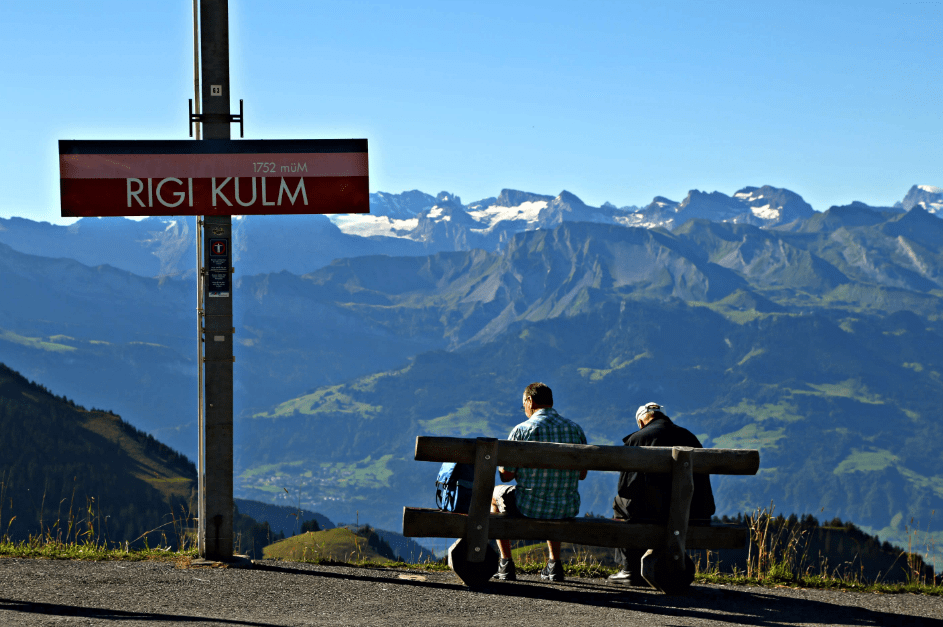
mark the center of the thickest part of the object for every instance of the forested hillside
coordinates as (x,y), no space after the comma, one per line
(62,465)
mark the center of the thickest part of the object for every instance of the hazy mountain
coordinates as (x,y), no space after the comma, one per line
(282,519)
(135,337)
(302,243)
(150,247)
(766,258)
(166,248)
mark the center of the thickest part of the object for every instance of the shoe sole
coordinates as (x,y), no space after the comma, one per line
(630,581)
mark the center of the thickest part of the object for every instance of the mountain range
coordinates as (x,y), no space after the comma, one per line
(406,224)
(757,321)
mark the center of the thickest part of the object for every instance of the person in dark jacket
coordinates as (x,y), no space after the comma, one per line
(646,497)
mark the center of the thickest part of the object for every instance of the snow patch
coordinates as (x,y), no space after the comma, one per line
(765,212)
(931,189)
(637,220)
(527,212)
(435,212)
(370,225)
(747,196)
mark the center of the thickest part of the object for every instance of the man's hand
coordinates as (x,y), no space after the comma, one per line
(506,475)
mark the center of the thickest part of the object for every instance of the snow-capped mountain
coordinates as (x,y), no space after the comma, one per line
(490,222)
(765,206)
(772,206)
(449,225)
(929,196)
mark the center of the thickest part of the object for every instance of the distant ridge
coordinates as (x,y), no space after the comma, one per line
(285,519)
(281,518)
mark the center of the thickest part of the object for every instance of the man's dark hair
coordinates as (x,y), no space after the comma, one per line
(539,394)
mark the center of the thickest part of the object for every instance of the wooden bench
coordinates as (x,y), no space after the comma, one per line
(475,561)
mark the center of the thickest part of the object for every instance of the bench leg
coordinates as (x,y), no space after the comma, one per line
(473,574)
(665,574)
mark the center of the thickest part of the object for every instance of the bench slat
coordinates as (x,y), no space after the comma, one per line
(432,523)
(479,512)
(682,488)
(714,461)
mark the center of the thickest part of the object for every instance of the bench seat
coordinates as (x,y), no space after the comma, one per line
(433,523)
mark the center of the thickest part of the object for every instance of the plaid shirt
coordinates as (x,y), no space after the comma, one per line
(547,492)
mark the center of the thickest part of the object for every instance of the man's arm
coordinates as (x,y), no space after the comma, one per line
(582,441)
(510,475)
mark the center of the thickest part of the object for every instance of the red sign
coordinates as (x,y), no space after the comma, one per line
(218,247)
(213,177)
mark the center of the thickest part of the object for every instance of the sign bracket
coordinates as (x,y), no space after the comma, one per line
(216,117)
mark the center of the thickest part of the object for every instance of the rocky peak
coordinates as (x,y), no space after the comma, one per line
(515,198)
(400,206)
(931,197)
(448,198)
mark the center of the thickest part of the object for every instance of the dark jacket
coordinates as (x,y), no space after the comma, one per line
(647,496)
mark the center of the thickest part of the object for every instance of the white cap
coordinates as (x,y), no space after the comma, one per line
(644,409)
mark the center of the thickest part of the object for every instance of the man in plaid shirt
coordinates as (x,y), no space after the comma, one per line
(540,492)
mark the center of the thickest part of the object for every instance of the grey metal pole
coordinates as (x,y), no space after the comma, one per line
(217,521)
(198,223)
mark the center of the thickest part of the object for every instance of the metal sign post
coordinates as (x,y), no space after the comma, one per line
(214,179)
(215,525)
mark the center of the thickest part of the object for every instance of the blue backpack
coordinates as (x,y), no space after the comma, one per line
(453,487)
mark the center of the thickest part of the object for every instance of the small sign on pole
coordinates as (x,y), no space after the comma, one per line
(219,270)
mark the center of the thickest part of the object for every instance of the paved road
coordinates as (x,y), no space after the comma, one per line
(43,592)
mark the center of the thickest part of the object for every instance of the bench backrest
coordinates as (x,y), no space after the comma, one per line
(714,461)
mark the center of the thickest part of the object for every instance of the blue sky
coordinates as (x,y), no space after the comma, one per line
(613,101)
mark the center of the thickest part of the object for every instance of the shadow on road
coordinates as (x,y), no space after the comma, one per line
(384,580)
(57,609)
(710,603)
(737,606)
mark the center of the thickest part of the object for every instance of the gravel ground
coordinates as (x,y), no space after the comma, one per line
(45,592)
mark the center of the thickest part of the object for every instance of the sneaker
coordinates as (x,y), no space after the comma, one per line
(553,571)
(627,577)
(506,571)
